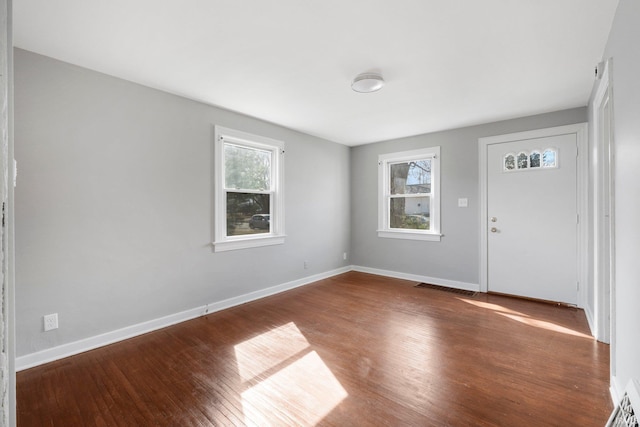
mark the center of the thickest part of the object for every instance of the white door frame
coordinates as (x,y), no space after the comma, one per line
(580,130)
(7,252)
(603,213)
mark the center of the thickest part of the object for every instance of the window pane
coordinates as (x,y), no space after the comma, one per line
(247,168)
(549,159)
(534,159)
(410,212)
(509,162)
(410,177)
(522,161)
(248,213)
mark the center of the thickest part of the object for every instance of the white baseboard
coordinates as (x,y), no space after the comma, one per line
(65,350)
(613,390)
(590,320)
(417,278)
(80,346)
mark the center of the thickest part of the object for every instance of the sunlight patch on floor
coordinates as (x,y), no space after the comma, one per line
(525,318)
(306,387)
(281,371)
(489,306)
(544,325)
(266,351)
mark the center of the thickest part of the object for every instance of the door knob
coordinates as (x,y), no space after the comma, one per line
(493,229)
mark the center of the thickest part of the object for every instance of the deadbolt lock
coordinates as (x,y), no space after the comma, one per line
(494,219)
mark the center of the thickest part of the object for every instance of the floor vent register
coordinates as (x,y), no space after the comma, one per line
(447,289)
(626,412)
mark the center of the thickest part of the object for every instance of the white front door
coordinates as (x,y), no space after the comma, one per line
(532,218)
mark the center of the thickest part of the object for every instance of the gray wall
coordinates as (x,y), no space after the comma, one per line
(114,205)
(456,257)
(623,48)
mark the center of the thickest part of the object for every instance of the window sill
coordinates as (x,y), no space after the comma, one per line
(254,242)
(409,235)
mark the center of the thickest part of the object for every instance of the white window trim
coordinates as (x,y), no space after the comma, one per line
(276,236)
(383,195)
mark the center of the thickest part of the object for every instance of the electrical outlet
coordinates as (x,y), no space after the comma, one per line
(51,321)
(344,256)
(306,265)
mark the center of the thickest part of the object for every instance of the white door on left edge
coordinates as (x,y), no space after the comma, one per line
(532,218)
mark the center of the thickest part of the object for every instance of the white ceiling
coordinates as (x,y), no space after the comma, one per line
(447,64)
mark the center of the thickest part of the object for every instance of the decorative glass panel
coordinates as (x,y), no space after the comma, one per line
(549,158)
(509,162)
(534,159)
(522,161)
(410,212)
(410,177)
(247,168)
(248,213)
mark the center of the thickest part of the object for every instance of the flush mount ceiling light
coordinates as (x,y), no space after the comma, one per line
(367,82)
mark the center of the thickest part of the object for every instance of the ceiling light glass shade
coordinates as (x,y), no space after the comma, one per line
(368,82)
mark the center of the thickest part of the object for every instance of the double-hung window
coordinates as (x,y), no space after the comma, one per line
(409,195)
(249,194)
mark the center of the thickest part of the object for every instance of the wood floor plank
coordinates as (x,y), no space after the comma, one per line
(355,349)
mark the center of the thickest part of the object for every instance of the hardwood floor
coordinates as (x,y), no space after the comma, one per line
(356,349)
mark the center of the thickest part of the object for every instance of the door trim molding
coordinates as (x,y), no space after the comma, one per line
(603,164)
(582,179)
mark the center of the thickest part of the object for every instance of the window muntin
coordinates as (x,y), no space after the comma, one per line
(409,195)
(249,208)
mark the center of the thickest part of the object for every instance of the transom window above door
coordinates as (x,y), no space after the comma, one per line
(535,159)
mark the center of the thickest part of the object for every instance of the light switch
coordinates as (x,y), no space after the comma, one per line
(463,203)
